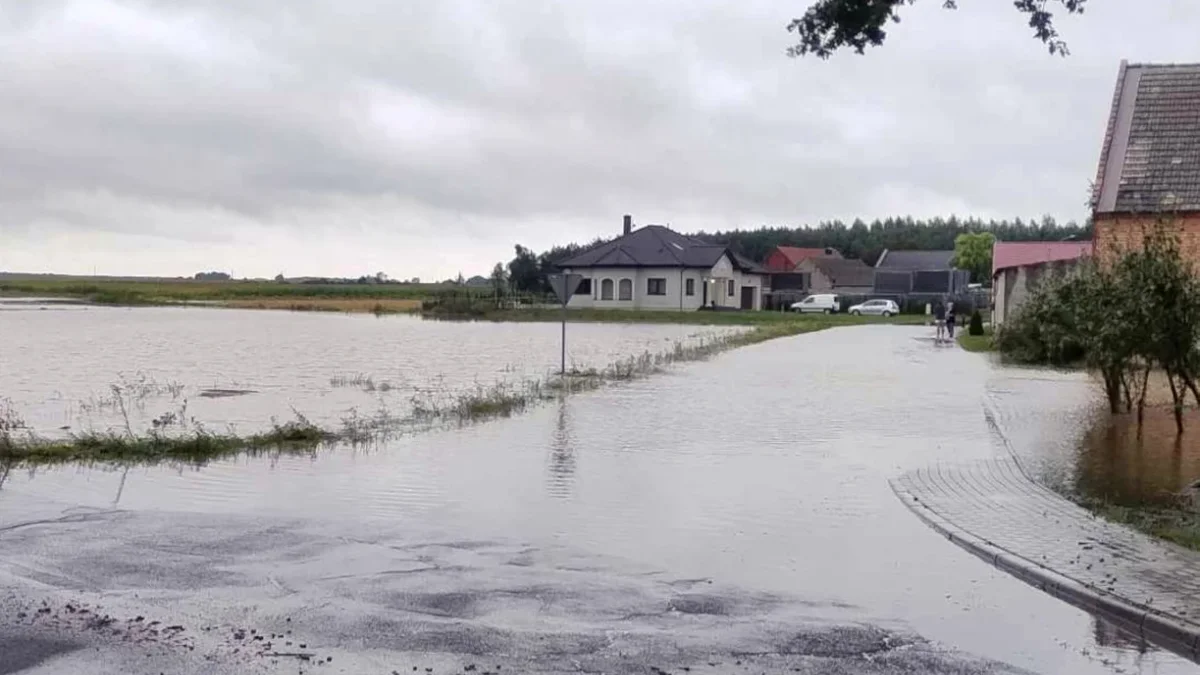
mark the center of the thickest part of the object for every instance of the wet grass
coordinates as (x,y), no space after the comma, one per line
(360,381)
(195,446)
(353,305)
(698,318)
(257,294)
(977,343)
(1175,524)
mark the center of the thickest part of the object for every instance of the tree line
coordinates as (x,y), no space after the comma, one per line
(527,270)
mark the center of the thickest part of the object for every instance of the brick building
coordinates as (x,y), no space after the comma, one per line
(1150,162)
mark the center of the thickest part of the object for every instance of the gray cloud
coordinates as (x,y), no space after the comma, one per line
(534,120)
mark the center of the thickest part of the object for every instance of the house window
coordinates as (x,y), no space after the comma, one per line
(656,287)
(606,289)
(585,287)
(689,287)
(731,288)
(625,290)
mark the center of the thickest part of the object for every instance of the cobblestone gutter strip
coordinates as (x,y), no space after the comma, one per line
(1157,627)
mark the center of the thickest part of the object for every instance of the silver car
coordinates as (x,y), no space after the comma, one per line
(876,308)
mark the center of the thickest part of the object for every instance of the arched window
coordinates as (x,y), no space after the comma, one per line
(625,290)
(606,289)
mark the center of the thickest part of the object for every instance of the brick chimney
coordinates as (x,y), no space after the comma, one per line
(628,223)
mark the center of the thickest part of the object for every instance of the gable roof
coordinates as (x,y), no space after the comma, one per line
(796,255)
(845,271)
(915,261)
(656,246)
(1150,160)
(1006,254)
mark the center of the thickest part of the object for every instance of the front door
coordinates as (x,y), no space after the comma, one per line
(748,297)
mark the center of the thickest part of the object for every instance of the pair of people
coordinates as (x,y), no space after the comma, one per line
(945,318)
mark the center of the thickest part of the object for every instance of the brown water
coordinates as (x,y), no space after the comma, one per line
(1059,426)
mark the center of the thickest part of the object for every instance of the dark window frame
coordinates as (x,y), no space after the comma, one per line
(625,290)
(584,288)
(689,287)
(732,288)
(656,286)
(608,289)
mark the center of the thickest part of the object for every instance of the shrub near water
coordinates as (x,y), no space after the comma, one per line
(1134,314)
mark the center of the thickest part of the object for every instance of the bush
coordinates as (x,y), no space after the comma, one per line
(976,326)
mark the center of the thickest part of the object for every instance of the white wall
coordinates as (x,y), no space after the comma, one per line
(676,283)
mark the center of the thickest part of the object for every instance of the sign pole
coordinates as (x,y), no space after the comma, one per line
(564,286)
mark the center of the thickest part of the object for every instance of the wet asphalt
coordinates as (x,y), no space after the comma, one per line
(730,516)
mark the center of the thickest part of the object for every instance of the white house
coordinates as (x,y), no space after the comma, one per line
(654,267)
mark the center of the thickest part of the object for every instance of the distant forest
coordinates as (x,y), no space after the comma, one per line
(867,241)
(859,239)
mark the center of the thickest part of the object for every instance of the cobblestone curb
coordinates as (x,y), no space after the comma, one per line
(1173,633)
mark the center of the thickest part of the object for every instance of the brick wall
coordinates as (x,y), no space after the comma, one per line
(1116,232)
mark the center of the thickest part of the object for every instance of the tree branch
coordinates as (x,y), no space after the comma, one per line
(830,25)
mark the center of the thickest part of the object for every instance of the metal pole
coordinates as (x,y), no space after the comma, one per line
(563,372)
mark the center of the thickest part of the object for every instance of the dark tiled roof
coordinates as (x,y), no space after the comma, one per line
(1150,161)
(915,260)
(845,272)
(655,246)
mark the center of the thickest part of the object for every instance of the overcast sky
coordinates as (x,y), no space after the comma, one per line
(425,137)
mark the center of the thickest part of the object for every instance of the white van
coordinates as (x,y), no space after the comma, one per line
(823,303)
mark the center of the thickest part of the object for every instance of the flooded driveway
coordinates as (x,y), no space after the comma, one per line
(727,516)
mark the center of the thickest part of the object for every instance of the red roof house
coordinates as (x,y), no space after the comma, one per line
(786,258)
(1017,266)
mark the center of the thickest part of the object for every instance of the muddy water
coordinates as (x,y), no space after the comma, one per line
(75,368)
(750,483)
(1059,426)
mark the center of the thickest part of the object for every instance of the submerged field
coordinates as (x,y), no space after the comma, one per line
(268,294)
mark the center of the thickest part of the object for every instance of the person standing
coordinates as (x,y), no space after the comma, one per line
(939,320)
(951,321)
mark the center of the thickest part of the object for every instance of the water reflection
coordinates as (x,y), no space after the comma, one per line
(1111,635)
(561,462)
(1128,465)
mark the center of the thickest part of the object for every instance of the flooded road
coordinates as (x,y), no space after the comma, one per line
(734,512)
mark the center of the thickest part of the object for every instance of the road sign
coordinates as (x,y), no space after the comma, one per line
(565,285)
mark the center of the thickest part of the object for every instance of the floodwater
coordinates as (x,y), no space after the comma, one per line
(81,368)
(726,514)
(1059,425)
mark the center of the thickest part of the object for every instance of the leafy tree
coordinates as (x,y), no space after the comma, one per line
(524,271)
(1123,317)
(830,25)
(973,252)
(499,279)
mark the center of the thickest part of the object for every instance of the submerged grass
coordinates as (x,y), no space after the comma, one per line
(192,443)
(194,446)
(1175,524)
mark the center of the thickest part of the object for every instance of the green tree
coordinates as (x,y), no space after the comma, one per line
(524,271)
(973,251)
(499,279)
(830,25)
